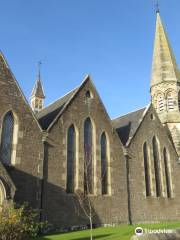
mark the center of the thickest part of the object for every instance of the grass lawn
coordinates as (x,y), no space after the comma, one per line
(122,232)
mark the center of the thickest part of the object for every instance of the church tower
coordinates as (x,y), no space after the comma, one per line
(37,95)
(165,83)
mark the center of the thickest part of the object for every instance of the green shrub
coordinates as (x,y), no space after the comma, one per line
(18,223)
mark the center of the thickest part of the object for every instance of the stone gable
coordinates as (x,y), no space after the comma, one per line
(109,209)
(28,147)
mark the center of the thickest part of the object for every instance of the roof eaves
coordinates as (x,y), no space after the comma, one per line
(87,77)
(62,110)
(45,112)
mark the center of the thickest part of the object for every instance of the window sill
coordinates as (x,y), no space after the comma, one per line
(70,194)
(159,198)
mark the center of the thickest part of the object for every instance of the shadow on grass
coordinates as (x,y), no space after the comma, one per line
(75,238)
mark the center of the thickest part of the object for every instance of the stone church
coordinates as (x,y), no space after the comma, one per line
(128,166)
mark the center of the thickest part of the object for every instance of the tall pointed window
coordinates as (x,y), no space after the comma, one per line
(167,173)
(179,100)
(146,170)
(71,153)
(2,193)
(7,138)
(88,157)
(104,164)
(156,167)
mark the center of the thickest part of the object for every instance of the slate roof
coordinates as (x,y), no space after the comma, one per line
(38,90)
(48,114)
(127,125)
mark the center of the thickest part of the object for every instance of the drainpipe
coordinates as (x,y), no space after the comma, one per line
(43,176)
(127,157)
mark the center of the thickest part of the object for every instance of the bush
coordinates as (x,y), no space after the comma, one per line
(18,223)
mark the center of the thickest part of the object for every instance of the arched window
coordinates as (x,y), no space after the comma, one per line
(88,94)
(156,167)
(2,193)
(7,138)
(71,155)
(88,157)
(167,173)
(160,103)
(104,164)
(146,170)
(170,102)
(179,100)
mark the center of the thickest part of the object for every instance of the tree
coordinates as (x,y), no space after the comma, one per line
(85,201)
(84,197)
(18,223)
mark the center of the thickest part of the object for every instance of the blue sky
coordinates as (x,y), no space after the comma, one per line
(110,39)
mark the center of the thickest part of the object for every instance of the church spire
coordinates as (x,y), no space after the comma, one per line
(37,95)
(165,84)
(164,67)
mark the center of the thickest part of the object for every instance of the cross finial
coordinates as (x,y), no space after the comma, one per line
(157,6)
(39,70)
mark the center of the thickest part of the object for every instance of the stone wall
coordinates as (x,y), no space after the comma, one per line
(152,208)
(27,163)
(59,207)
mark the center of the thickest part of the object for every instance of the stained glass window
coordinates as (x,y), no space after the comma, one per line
(104,170)
(146,170)
(71,153)
(88,161)
(2,193)
(156,167)
(7,138)
(167,174)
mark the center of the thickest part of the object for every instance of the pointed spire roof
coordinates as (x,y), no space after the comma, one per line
(164,67)
(38,88)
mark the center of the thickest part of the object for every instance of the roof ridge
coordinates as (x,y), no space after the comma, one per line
(60,98)
(19,88)
(87,77)
(129,113)
(59,105)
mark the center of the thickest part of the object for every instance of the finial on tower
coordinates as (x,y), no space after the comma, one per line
(37,95)
(157,6)
(39,70)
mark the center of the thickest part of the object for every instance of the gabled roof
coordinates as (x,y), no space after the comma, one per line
(127,125)
(4,65)
(48,114)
